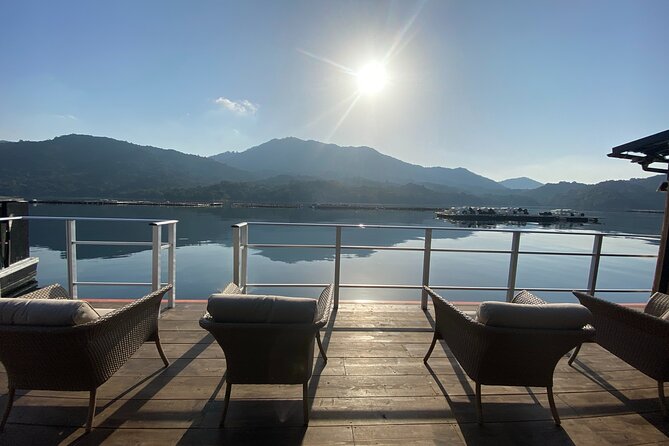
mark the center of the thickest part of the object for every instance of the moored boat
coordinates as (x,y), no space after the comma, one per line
(490,214)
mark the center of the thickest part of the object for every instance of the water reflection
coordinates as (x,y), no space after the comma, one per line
(204,250)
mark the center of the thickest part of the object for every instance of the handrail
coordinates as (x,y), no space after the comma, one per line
(156,243)
(241,246)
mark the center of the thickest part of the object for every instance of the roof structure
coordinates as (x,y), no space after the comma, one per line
(646,152)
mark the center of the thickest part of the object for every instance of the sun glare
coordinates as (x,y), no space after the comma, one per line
(372,78)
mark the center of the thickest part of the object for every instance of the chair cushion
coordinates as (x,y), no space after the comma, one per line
(541,316)
(657,305)
(255,308)
(45,312)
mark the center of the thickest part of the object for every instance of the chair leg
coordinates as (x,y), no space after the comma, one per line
(226,403)
(663,402)
(479,406)
(429,351)
(574,353)
(551,402)
(305,403)
(91,410)
(8,408)
(161,352)
(320,347)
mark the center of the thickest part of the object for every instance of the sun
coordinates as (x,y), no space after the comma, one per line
(372,78)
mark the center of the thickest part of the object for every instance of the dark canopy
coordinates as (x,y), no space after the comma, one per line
(646,151)
(649,152)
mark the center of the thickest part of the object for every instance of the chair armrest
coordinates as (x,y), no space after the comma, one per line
(231,288)
(324,306)
(55,291)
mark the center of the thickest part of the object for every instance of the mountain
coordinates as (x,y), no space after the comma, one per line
(80,166)
(90,166)
(293,156)
(521,183)
(636,193)
(310,191)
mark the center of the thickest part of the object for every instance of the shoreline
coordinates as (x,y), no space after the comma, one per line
(344,206)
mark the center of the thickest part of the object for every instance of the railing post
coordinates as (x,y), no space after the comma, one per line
(337,271)
(155,263)
(171,263)
(245,257)
(71,252)
(426,267)
(594,263)
(513,266)
(235,255)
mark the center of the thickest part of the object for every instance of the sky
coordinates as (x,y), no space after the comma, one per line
(534,88)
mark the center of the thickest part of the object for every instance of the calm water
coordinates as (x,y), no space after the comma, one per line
(204,252)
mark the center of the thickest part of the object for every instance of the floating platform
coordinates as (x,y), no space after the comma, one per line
(543,217)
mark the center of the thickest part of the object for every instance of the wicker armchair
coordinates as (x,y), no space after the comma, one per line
(641,339)
(502,356)
(80,357)
(269,353)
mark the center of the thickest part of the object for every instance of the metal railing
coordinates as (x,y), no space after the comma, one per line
(156,244)
(241,246)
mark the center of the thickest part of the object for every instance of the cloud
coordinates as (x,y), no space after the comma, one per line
(242,107)
(69,117)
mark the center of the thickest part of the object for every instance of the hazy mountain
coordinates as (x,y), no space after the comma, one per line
(310,191)
(89,166)
(636,193)
(78,166)
(521,183)
(293,156)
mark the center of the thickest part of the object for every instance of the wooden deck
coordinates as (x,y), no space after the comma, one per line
(375,389)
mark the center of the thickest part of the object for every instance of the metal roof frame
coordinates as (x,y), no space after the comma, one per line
(646,152)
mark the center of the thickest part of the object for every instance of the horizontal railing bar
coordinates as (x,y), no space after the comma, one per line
(420,249)
(383,248)
(439,287)
(443,228)
(280,245)
(287,285)
(481,251)
(164,222)
(586,254)
(110,243)
(113,283)
(130,220)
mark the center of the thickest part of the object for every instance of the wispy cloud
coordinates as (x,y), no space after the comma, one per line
(69,117)
(242,107)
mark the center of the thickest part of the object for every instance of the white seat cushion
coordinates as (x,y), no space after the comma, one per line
(45,312)
(254,308)
(542,316)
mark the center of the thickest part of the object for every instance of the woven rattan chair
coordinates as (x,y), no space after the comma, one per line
(502,356)
(269,353)
(80,357)
(641,339)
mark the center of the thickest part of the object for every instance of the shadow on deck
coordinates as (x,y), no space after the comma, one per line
(375,389)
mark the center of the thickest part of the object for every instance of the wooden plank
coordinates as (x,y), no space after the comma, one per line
(375,389)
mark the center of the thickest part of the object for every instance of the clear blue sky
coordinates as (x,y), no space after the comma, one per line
(504,88)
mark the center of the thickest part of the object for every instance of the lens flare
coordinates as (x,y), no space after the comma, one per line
(372,78)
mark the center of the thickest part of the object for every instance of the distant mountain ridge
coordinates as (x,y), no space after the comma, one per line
(92,166)
(523,183)
(81,166)
(293,156)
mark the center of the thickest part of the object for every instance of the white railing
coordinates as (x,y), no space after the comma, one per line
(156,244)
(241,246)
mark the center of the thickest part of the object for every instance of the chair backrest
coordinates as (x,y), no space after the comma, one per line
(503,355)
(266,339)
